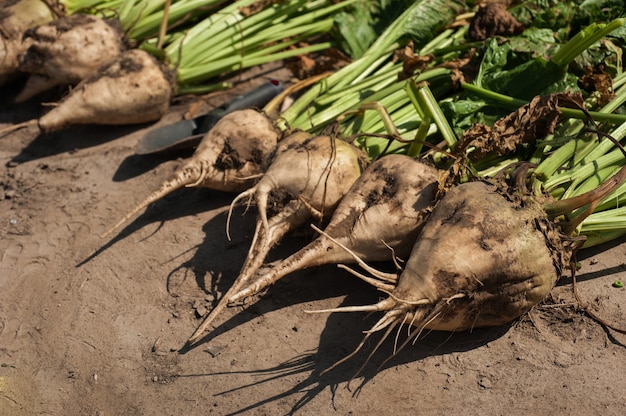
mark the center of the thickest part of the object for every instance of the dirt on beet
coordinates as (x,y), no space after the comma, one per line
(92,327)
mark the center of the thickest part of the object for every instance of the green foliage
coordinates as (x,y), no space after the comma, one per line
(463,113)
(566,18)
(359,26)
(516,72)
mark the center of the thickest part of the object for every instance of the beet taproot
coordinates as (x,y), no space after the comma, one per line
(485,257)
(15,18)
(230,157)
(379,218)
(68,50)
(134,88)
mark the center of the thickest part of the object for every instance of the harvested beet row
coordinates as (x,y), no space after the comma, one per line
(135,88)
(230,157)
(15,18)
(483,258)
(379,217)
(314,173)
(67,50)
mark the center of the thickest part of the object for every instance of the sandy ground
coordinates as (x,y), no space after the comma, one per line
(102,336)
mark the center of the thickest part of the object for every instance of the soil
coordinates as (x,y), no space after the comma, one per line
(93,327)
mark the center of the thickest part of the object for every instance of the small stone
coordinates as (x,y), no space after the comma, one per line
(214,350)
(485,382)
(201,310)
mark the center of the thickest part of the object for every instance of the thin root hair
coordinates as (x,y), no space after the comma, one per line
(380,342)
(383,305)
(410,302)
(395,341)
(15,127)
(370,280)
(315,213)
(328,169)
(386,320)
(246,178)
(248,193)
(412,337)
(393,256)
(201,176)
(347,357)
(386,277)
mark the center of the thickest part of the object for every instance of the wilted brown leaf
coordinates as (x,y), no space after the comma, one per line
(255,7)
(529,123)
(410,61)
(306,66)
(600,82)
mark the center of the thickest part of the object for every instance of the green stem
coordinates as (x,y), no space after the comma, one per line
(235,63)
(439,13)
(516,103)
(422,97)
(584,39)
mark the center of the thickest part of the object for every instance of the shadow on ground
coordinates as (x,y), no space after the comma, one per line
(342,334)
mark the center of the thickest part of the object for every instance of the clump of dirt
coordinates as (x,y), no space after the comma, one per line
(493,19)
